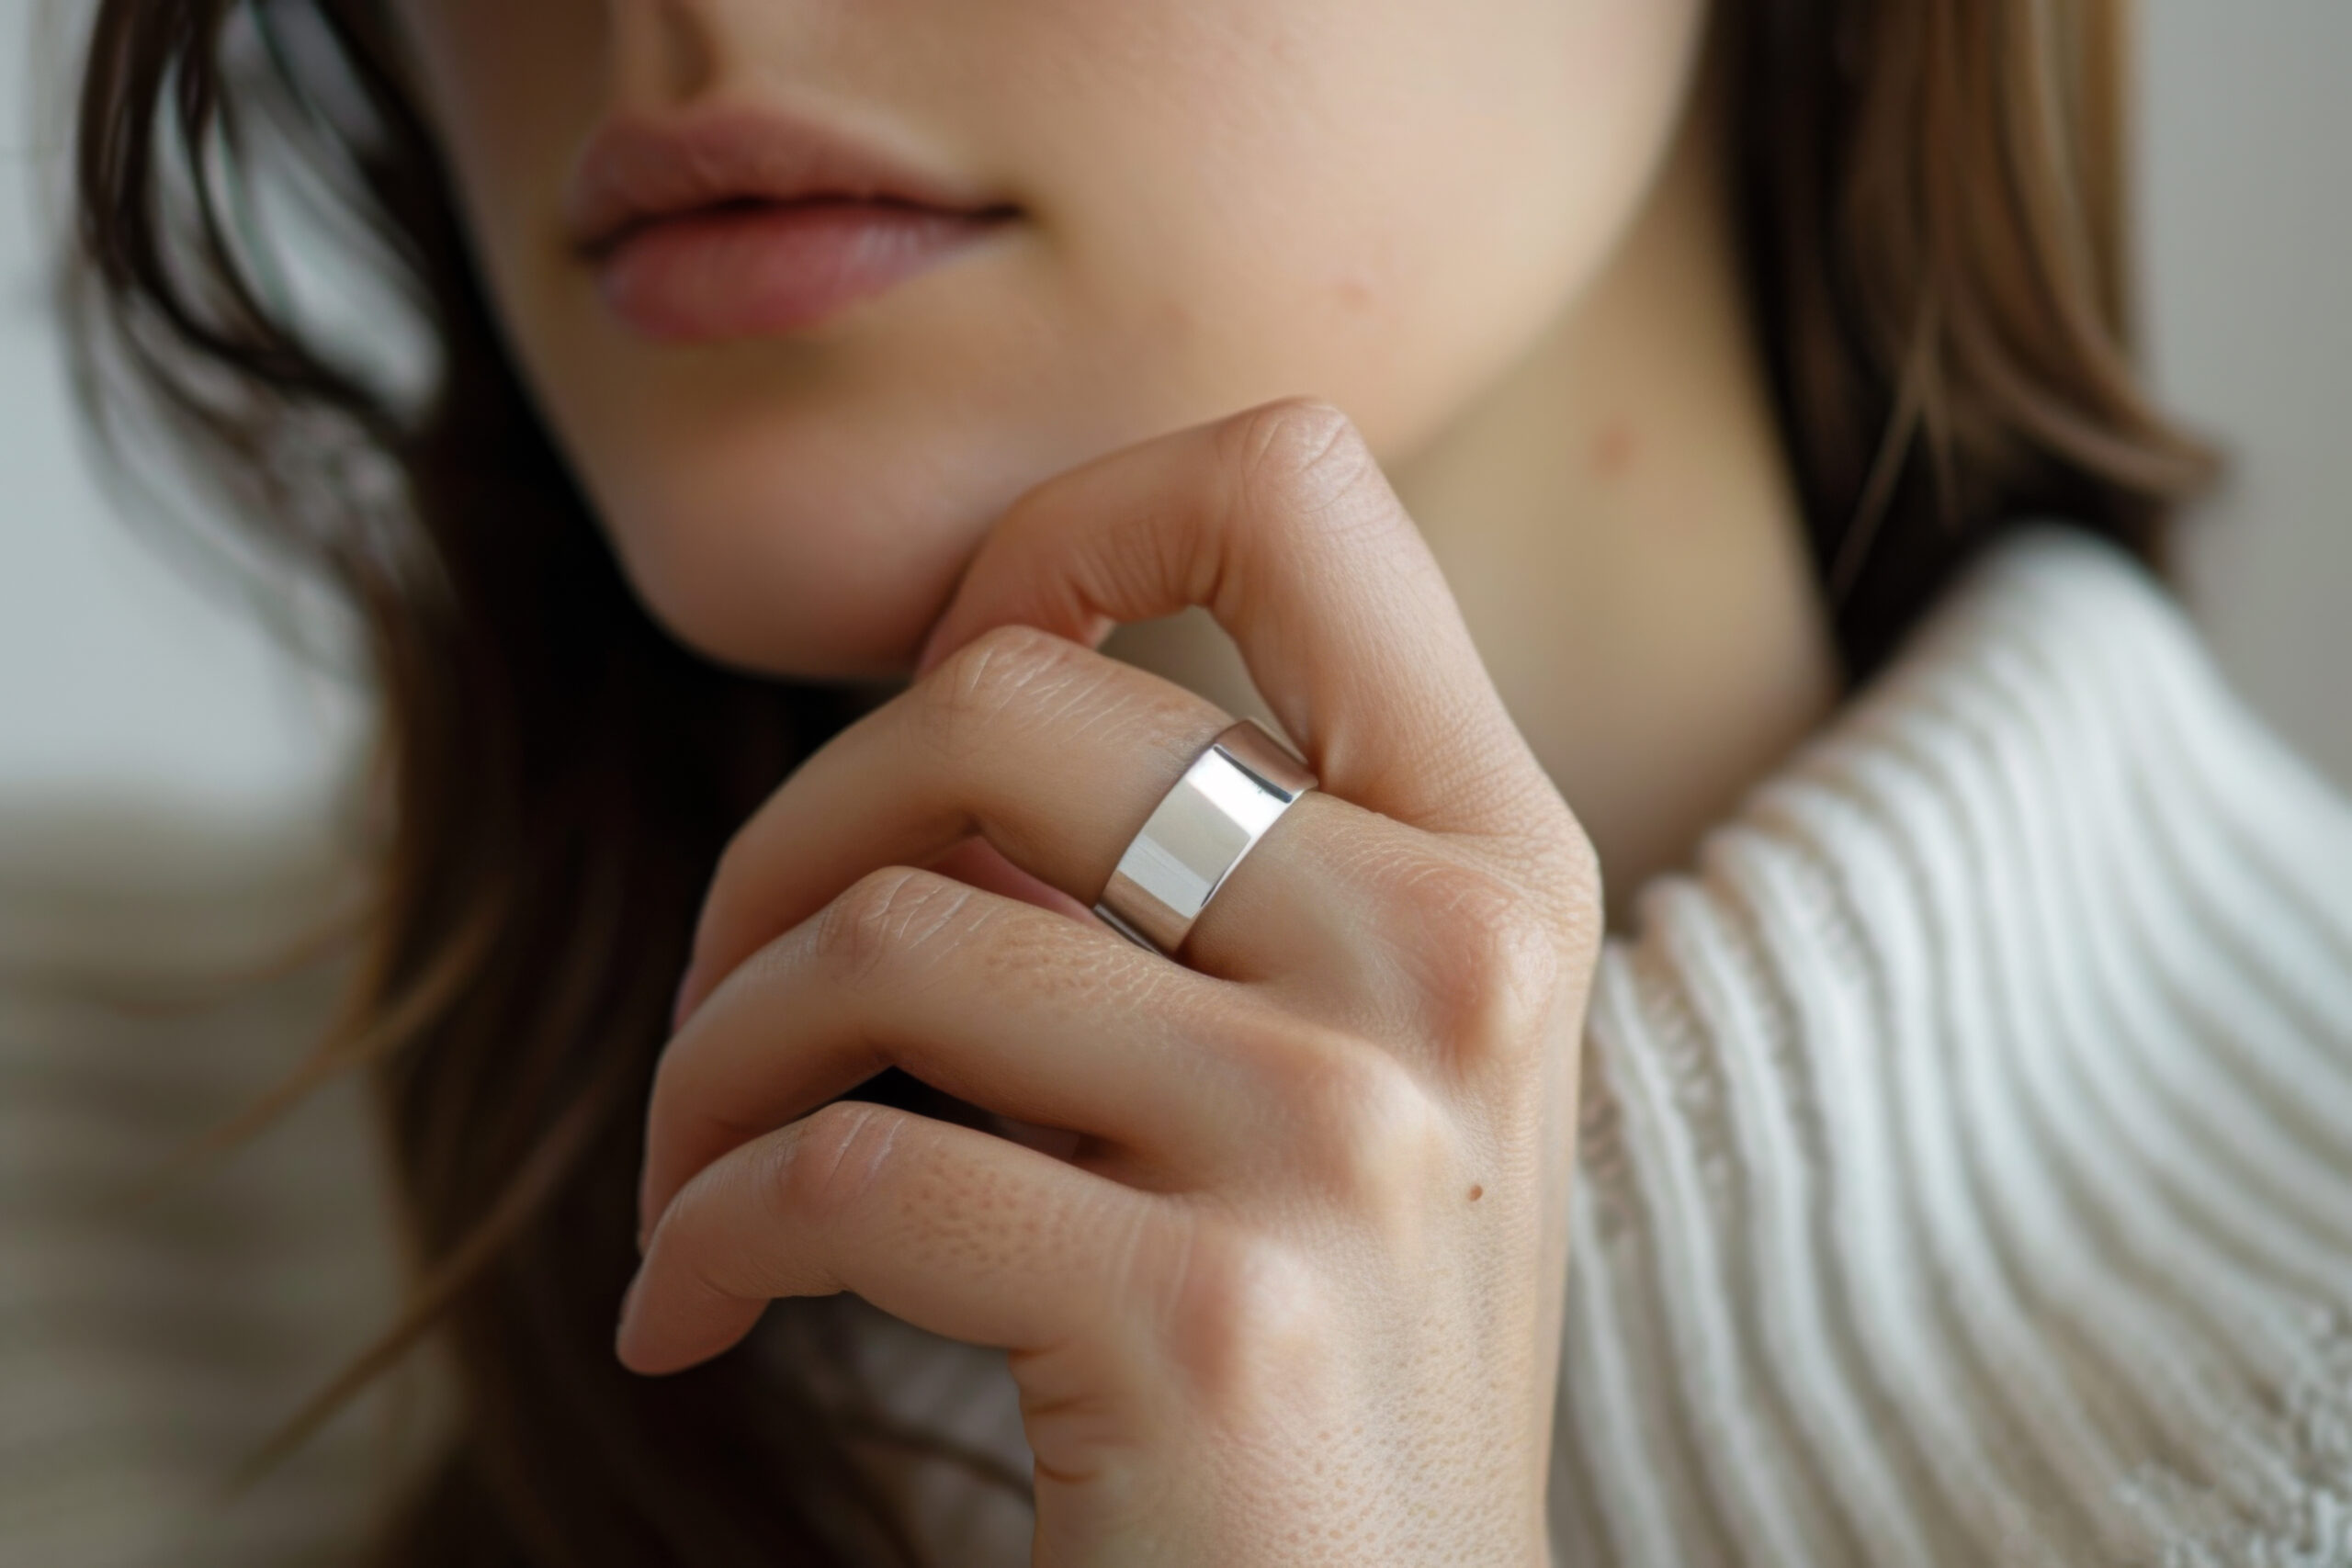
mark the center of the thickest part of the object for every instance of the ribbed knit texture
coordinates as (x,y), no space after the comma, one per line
(1965,1175)
(1967,1157)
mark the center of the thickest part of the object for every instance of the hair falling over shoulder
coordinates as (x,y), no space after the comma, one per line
(1933,216)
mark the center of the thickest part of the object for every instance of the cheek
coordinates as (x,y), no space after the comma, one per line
(509,88)
(1379,201)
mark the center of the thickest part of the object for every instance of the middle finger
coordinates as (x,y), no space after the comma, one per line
(1005,1005)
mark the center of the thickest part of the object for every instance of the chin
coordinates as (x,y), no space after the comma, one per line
(798,592)
(810,544)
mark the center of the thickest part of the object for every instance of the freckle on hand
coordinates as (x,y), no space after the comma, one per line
(1476,1192)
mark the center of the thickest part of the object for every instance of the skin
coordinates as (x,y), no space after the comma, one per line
(1375,366)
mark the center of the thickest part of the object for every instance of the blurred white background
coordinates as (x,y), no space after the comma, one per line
(115,675)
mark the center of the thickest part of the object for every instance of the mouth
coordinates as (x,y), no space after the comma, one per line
(746,223)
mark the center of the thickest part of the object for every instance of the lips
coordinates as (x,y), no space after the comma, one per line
(744,223)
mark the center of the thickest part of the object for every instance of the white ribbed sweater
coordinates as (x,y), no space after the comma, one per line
(1965,1176)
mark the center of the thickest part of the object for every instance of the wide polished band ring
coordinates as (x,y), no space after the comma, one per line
(1199,832)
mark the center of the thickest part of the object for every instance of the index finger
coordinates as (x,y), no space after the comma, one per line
(1279,521)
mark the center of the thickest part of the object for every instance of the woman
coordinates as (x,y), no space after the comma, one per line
(1565,409)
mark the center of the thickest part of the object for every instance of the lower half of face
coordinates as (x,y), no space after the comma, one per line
(1191,205)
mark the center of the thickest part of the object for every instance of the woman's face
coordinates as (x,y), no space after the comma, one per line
(1213,203)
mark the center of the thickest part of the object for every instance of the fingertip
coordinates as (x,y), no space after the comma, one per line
(623,1328)
(636,1344)
(661,1342)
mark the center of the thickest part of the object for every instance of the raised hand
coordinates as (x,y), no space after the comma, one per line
(1295,1295)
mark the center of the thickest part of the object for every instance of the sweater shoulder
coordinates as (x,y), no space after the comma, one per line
(1967,1148)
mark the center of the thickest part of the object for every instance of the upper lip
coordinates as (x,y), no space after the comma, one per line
(639,170)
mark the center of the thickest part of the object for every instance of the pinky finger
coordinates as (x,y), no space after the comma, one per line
(955,1230)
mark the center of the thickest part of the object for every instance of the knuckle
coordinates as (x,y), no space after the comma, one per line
(1561,880)
(831,1162)
(882,919)
(1300,457)
(1242,1311)
(1581,894)
(1490,958)
(970,692)
(1364,1129)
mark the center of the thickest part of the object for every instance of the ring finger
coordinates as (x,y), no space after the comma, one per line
(1057,754)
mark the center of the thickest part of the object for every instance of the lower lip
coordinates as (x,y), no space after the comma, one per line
(759,270)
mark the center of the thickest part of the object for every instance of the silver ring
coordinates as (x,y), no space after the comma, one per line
(1198,833)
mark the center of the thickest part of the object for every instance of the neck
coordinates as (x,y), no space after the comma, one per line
(1616,516)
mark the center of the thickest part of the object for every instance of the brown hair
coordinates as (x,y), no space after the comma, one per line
(1933,217)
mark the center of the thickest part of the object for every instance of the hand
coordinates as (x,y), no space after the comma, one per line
(1295,1295)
